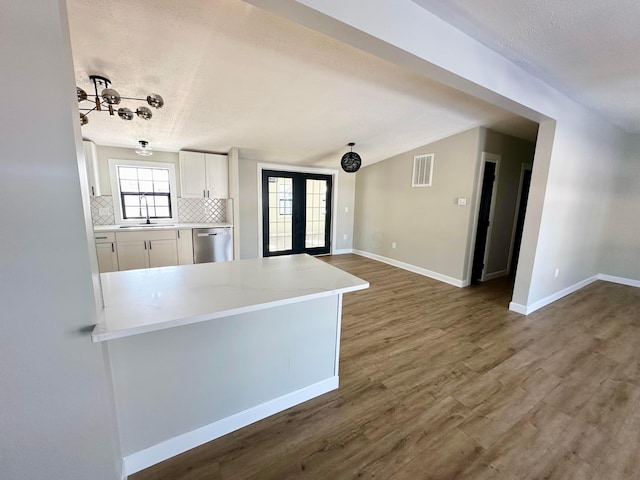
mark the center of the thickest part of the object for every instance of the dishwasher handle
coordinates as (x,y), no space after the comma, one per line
(206,234)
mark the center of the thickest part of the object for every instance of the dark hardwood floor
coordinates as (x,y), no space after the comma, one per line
(438,382)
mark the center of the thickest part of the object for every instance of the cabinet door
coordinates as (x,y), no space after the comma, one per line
(185,246)
(133,254)
(192,175)
(107,257)
(217,176)
(162,253)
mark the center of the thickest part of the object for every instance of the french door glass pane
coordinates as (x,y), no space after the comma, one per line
(316,210)
(280,212)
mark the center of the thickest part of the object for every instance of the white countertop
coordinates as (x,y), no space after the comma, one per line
(141,301)
(157,226)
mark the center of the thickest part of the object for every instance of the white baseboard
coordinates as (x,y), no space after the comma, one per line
(150,456)
(493,275)
(412,268)
(622,281)
(342,251)
(518,308)
(527,309)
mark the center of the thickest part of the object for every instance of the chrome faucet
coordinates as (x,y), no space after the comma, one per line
(146,204)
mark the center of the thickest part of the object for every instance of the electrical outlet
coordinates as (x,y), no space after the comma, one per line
(346,209)
(393,244)
(344,237)
(556,273)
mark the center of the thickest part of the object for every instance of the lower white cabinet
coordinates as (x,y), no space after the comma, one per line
(107,252)
(146,249)
(185,246)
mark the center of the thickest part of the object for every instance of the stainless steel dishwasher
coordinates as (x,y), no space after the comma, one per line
(212,244)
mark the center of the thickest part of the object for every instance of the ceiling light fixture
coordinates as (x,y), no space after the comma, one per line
(351,161)
(106,100)
(144,149)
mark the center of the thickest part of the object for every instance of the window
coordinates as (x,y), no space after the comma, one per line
(143,190)
(422,170)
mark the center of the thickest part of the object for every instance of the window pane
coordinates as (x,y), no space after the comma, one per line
(131,200)
(129,186)
(146,186)
(160,175)
(162,212)
(129,173)
(161,201)
(162,187)
(132,212)
(145,174)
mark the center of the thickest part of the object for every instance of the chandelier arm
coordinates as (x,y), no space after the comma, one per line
(88,110)
(134,98)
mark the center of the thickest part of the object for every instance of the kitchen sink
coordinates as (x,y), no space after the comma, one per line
(147,225)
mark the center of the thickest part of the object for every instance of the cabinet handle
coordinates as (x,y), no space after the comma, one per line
(178,233)
(208,196)
(149,244)
(93,192)
(113,250)
(101,238)
(204,193)
(145,244)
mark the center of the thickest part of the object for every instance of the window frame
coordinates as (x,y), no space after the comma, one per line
(117,194)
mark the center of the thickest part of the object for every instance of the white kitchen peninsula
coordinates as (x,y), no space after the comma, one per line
(197,351)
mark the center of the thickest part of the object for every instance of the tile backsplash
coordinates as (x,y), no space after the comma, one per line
(190,210)
(102,210)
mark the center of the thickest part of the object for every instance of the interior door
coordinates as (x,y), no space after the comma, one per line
(522,208)
(296,213)
(483,221)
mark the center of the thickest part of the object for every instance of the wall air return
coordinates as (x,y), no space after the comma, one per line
(422,170)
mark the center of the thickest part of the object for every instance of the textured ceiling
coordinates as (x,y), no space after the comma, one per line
(588,49)
(233,75)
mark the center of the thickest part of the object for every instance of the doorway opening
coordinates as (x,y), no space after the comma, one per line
(488,194)
(296,213)
(521,208)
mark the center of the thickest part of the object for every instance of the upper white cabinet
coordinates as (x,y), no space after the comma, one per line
(91,157)
(204,175)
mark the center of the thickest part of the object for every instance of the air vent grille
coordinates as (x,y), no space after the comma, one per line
(422,170)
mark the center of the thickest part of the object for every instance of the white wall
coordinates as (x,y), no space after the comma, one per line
(620,254)
(566,213)
(56,416)
(430,230)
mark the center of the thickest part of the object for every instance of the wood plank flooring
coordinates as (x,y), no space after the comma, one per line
(438,382)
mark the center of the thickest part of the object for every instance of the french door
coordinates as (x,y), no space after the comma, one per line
(296,213)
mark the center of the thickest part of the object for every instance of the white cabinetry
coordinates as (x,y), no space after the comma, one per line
(146,249)
(91,158)
(107,252)
(185,246)
(204,175)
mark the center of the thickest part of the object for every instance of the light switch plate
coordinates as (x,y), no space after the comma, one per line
(462,201)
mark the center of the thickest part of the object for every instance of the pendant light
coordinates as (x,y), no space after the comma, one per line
(144,149)
(351,161)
